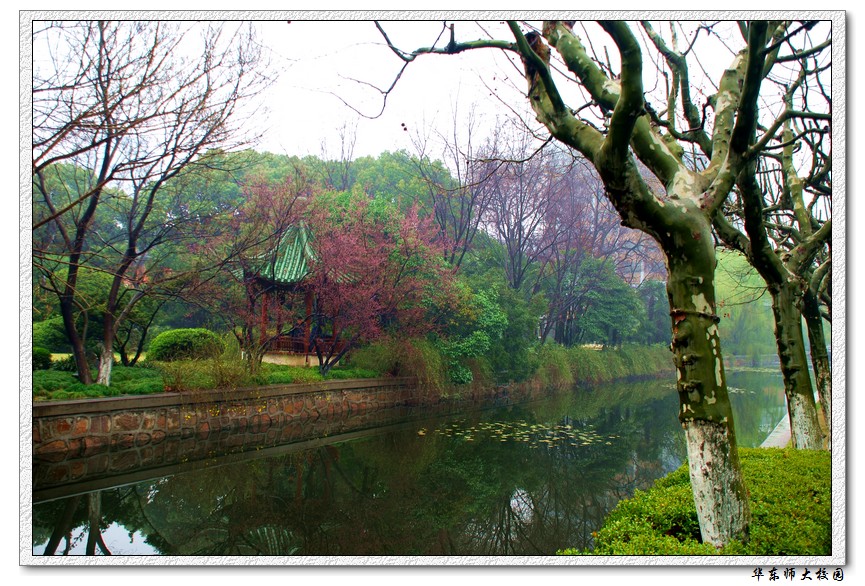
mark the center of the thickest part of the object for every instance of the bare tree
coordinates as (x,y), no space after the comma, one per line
(524,181)
(561,264)
(587,227)
(336,172)
(459,193)
(122,108)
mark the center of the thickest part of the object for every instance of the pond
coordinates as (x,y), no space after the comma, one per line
(523,479)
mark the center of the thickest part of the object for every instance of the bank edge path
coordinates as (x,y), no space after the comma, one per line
(780,436)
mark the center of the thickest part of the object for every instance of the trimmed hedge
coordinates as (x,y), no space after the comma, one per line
(185,344)
(51,334)
(41,358)
(791,510)
(66,364)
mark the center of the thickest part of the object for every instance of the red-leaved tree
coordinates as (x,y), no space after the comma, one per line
(375,271)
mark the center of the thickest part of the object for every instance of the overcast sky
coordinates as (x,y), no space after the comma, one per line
(328,69)
(325,70)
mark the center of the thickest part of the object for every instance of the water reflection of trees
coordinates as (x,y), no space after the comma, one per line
(401,493)
(758,403)
(84,518)
(577,486)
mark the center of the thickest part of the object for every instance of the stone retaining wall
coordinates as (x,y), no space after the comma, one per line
(84,441)
(66,429)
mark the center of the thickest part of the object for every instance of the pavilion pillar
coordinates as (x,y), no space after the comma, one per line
(280,301)
(308,327)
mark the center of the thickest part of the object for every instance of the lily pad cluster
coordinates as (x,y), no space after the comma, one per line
(534,435)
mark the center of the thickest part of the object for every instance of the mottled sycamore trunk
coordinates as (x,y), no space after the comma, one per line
(106,363)
(819,356)
(106,357)
(801,407)
(704,406)
(719,492)
(679,220)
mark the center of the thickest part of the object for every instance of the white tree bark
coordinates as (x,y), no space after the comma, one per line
(713,469)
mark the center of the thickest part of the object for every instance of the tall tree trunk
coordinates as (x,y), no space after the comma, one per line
(106,363)
(106,357)
(79,350)
(114,314)
(719,491)
(819,356)
(801,407)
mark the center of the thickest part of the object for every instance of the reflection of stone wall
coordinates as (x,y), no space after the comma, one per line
(83,441)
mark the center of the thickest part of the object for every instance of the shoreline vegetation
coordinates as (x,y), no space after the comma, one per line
(791,507)
(550,365)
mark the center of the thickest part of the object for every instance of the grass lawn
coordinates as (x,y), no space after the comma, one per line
(184,375)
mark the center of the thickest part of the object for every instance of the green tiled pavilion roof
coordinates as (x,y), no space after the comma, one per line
(291,262)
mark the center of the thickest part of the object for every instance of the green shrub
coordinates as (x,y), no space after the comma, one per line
(124,374)
(791,501)
(222,373)
(285,375)
(182,376)
(791,509)
(141,387)
(375,356)
(136,380)
(81,391)
(51,334)
(460,374)
(277,374)
(41,358)
(230,374)
(185,344)
(231,348)
(590,365)
(187,375)
(59,385)
(650,517)
(353,372)
(587,365)
(482,370)
(412,357)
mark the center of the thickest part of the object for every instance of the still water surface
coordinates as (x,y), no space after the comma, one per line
(518,480)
